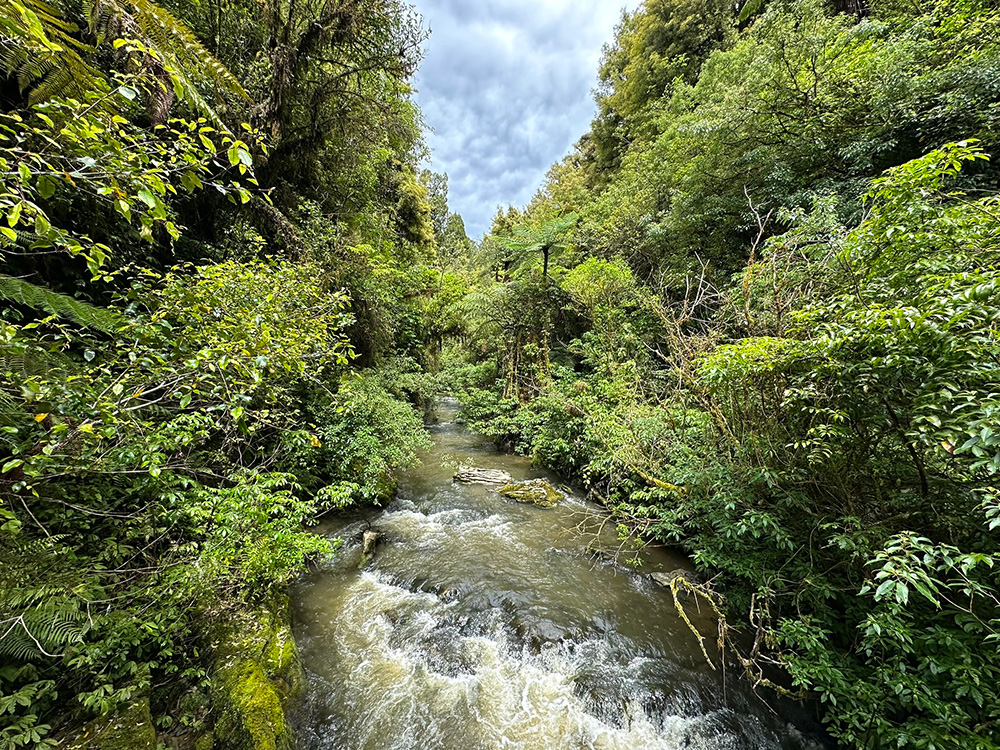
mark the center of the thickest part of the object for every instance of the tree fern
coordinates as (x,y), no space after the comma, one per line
(179,57)
(41,51)
(546,239)
(40,298)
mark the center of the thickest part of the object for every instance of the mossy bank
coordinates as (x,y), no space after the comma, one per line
(255,682)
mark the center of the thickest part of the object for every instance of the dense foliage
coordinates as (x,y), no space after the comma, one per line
(756,311)
(219,268)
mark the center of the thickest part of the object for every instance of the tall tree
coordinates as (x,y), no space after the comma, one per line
(437,195)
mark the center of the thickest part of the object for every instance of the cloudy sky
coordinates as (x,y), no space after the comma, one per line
(506,88)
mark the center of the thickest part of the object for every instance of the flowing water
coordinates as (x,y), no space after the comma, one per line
(483,623)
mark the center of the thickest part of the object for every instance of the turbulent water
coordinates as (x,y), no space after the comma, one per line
(483,623)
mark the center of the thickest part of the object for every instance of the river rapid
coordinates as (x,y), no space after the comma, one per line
(484,624)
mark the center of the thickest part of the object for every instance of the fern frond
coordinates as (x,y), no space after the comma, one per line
(40,298)
(176,48)
(65,76)
(11,415)
(40,615)
(21,559)
(750,8)
(26,362)
(193,97)
(39,50)
(44,630)
(172,36)
(35,634)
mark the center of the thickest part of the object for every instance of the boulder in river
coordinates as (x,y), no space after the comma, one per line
(472,475)
(535,491)
(368,542)
(667,579)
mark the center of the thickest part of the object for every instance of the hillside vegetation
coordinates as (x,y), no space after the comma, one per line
(756,312)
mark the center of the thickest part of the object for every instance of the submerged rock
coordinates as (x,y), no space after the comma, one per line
(535,491)
(472,475)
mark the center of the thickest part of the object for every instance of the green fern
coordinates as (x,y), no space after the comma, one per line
(40,298)
(38,619)
(750,8)
(44,631)
(41,52)
(29,361)
(19,360)
(12,414)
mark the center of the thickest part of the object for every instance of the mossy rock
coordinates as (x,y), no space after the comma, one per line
(257,674)
(535,491)
(251,714)
(129,728)
(666,580)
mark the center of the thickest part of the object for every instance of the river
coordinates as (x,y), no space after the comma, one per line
(484,624)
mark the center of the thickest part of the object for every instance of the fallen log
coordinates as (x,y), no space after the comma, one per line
(472,475)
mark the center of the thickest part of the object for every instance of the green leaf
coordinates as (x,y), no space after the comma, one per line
(123,208)
(147,197)
(12,464)
(46,187)
(883,589)
(902,592)
(14,215)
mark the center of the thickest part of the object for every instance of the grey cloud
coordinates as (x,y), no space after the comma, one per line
(505,87)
